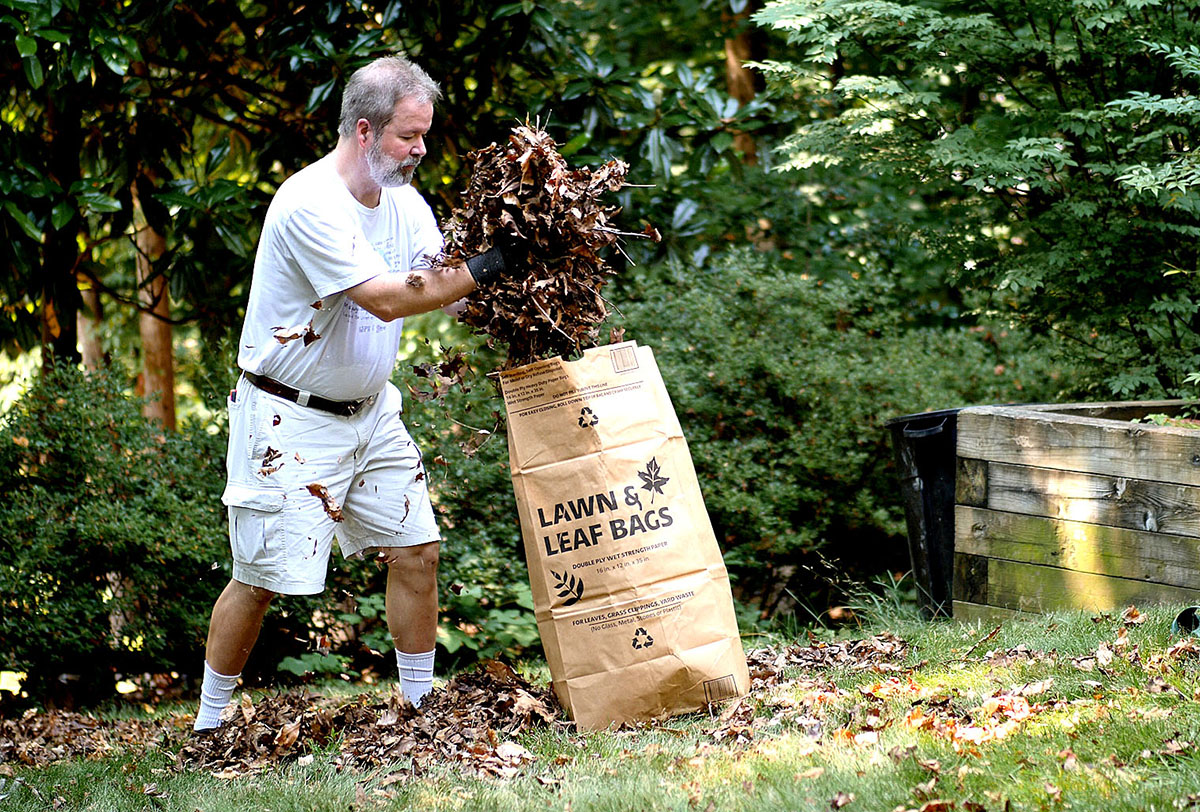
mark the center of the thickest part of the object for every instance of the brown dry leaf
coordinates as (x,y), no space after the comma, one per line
(1158,685)
(331,506)
(287,736)
(1186,647)
(841,799)
(1175,747)
(924,791)
(1104,655)
(1036,688)
(937,805)
(1084,663)
(1132,616)
(247,708)
(811,772)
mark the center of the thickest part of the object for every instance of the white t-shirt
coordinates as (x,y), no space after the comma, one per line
(318,241)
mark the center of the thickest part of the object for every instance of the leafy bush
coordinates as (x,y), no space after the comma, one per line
(112,537)
(784,383)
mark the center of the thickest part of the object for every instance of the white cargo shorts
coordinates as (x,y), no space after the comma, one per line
(298,477)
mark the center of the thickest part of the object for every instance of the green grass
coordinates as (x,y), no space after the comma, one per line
(1118,737)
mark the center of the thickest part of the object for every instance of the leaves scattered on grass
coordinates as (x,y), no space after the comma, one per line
(846,693)
(37,739)
(526,188)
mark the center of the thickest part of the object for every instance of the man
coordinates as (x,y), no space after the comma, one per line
(316,444)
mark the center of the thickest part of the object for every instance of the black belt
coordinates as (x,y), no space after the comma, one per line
(271,386)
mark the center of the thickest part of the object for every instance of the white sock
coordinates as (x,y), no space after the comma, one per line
(416,674)
(215,694)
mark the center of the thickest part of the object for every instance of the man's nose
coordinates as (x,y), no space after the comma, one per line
(418,148)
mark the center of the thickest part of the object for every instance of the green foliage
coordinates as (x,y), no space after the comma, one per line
(112,537)
(1048,149)
(314,662)
(784,383)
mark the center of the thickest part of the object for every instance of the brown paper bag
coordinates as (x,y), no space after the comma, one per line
(630,591)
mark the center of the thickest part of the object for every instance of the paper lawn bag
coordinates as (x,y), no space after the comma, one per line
(631,594)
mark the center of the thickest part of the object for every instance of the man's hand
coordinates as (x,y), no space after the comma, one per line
(508,257)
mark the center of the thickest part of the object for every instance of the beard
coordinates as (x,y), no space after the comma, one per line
(386,170)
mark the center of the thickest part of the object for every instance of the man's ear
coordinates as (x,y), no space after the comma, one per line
(362,131)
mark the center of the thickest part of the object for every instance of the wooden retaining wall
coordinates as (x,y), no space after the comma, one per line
(1074,506)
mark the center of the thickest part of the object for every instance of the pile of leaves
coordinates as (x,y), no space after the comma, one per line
(526,189)
(40,738)
(470,722)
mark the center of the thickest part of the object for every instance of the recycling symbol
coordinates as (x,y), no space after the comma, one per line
(587,418)
(642,638)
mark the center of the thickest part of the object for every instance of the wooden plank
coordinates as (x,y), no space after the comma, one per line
(970,487)
(968,612)
(970,577)
(1124,410)
(1037,437)
(1032,588)
(1100,549)
(1135,504)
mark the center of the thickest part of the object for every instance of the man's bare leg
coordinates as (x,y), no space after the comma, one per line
(236,621)
(412,612)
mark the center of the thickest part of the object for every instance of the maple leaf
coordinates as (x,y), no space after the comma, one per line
(652,479)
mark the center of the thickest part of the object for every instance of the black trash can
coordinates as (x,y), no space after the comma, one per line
(926,456)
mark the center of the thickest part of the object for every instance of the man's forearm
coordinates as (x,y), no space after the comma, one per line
(396,295)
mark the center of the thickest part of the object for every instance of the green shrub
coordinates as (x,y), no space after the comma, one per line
(112,537)
(1056,175)
(784,384)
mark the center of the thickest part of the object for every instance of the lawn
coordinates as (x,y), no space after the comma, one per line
(1064,711)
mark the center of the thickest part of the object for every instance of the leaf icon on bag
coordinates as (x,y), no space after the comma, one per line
(568,584)
(652,479)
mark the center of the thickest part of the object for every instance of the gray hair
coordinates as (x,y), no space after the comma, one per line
(374,90)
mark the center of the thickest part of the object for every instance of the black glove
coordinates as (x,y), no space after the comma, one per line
(508,256)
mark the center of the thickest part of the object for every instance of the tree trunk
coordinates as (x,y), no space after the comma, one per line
(742,83)
(88,324)
(60,254)
(158,350)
